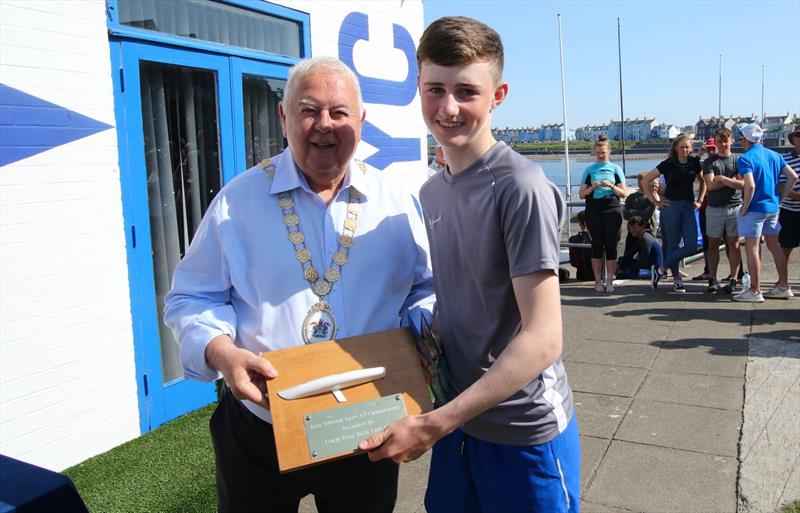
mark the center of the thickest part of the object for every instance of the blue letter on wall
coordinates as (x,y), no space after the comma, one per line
(355,27)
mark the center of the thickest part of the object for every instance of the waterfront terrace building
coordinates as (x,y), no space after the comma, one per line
(590,132)
(778,128)
(665,131)
(706,127)
(635,129)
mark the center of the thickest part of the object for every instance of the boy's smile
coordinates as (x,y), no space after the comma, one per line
(456,105)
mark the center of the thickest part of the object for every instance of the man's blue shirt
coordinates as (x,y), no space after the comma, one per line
(240,275)
(766,166)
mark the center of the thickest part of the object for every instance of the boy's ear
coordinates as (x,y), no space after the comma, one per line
(500,93)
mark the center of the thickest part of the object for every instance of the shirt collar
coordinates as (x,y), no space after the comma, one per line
(288,177)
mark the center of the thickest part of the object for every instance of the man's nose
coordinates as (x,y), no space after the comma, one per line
(324,121)
(449,105)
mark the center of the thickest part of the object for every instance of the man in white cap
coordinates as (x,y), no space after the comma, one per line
(761,169)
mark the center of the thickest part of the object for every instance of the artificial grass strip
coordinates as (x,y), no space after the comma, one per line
(170,469)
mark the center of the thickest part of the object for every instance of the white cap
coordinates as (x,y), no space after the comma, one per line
(752,132)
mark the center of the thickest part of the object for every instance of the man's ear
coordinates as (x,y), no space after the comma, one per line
(500,93)
(282,116)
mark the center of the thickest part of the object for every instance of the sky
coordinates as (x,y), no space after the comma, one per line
(670,58)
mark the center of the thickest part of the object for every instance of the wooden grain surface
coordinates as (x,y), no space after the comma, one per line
(393,349)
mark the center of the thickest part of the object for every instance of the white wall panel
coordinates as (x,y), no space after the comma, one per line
(67,382)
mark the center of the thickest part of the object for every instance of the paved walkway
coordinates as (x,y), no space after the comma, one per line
(660,382)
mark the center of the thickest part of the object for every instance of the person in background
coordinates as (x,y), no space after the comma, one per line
(602,186)
(724,200)
(581,258)
(439,162)
(761,169)
(637,204)
(789,216)
(680,170)
(709,149)
(643,256)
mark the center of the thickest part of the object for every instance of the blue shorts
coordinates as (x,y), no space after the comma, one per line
(468,474)
(753,224)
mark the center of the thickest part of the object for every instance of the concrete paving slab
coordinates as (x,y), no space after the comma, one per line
(614,353)
(701,328)
(770,444)
(592,451)
(713,431)
(693,389)
(411,488)
(696,358)
(600,415)
(687,336)
(604,379)
(629,331)
(645,478)
(593,507)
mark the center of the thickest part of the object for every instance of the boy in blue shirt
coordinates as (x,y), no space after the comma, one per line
(508,440)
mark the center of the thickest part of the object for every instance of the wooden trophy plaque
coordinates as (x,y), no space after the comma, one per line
(310,430)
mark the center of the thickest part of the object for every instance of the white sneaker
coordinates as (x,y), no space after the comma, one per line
(777,292)
(749,296)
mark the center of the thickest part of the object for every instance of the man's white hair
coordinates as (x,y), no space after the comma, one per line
(321,63)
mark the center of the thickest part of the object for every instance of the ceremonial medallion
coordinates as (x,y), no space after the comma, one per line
(350,224)
(286,202)
(319,324)
(346,241)
(340,257)
(354,208)
(311,274)
(303,255)
(322,287)
(291,219)
(332,274)
(296,237)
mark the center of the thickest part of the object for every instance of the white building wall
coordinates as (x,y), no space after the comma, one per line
(67,385)
(376,58)
(67,372)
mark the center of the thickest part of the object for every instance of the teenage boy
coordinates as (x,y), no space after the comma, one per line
(508,441)
(644,252)
(724,200)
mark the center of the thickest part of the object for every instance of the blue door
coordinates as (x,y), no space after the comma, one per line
(189,122)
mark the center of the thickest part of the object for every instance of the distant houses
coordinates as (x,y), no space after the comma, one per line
(776,130)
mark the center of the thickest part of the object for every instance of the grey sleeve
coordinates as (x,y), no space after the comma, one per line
(531,215)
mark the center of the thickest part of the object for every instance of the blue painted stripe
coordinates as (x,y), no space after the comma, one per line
(30,125)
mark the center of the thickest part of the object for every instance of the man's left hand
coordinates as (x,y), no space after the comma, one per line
(403,441)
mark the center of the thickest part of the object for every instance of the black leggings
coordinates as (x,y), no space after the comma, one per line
(604,225)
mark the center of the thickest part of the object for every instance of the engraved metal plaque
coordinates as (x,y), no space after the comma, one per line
(338,431)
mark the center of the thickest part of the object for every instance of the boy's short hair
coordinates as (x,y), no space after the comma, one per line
(636,220)
(723,133)
(459,41)
(581,217)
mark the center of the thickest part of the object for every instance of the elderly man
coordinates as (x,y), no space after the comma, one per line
(301,248)
(761,169)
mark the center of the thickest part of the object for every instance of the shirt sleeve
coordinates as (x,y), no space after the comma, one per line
(421,298)
(708,167)
(620,178)
(531,211)
(198,306)
(743,166)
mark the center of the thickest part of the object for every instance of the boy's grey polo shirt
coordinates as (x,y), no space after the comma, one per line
(498,219)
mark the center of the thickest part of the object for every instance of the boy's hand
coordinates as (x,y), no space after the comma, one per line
(403,441)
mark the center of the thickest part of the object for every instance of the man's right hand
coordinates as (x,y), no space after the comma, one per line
(246,373)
